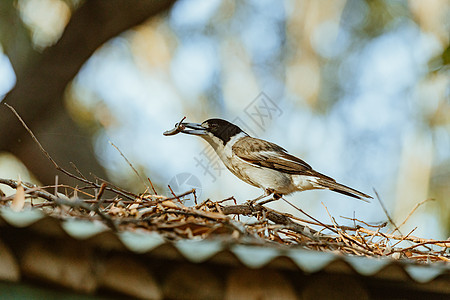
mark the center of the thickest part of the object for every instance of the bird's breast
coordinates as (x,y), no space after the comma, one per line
(261,177)
(264,178)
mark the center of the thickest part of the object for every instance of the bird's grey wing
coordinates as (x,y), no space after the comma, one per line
(269,155)
(266,154)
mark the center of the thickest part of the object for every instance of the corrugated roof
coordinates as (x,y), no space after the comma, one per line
(198,251)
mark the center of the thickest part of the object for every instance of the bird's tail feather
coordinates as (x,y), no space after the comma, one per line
(343,189)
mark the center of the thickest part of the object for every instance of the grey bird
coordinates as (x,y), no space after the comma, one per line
(261,163)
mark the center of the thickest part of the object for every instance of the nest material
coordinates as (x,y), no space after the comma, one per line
(122,210)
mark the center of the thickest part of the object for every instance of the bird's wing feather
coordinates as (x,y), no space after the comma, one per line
(269,155)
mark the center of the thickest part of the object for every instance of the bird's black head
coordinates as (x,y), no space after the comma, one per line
(215,131)
(221,129)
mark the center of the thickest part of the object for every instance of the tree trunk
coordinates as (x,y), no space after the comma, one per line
(39,91)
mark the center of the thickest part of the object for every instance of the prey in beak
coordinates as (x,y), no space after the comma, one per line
(188,128)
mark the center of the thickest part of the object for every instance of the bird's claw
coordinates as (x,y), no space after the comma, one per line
(251,204)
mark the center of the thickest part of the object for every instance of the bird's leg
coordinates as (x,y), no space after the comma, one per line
(251,202)
(275,197)
(267,192)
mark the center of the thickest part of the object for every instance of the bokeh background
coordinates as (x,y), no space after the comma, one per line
(358,89)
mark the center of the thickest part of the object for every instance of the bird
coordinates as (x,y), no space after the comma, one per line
(261,163)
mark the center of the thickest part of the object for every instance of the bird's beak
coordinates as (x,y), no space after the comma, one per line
(194,128)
